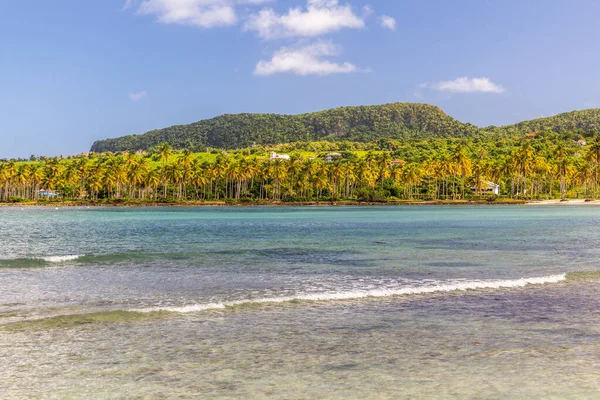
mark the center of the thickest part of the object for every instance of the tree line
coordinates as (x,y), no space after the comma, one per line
(530,168)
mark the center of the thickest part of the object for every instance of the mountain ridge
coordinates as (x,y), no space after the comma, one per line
(399,121)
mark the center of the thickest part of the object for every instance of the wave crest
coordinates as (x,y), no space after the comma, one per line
(37,262)
(59,259)
(361,294)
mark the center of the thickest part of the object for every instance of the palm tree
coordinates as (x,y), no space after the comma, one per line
(52,175)
(137,171)
(479,169)
(71,176)
(174,174)
(20,178)
(525,158)
(7,171)
(411,175)
(164,153)
(349,177)
(320,181)
(83,166)
(462,164)
(383,163)
(593,157)
(560,157)
(583,174)
(35,178)
(152,179)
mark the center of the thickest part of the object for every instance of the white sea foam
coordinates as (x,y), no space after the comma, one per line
(59,259)
(449,286)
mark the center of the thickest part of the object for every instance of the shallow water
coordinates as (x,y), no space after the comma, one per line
(405,302)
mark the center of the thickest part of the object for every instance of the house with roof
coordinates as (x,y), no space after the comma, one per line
(331,157)
(273,156)
(43,193)
(487,187)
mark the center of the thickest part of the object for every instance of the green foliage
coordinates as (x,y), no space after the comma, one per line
(399,121)
(570,125)
(392,152)
(389,127)
(372,195)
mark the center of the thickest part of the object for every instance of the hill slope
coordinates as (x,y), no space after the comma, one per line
(361,124)
(583,122)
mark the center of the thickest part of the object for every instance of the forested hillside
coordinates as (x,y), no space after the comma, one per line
(357,124)
(584,122)
(399,121)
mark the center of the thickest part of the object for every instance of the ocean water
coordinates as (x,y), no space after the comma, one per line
(300,302)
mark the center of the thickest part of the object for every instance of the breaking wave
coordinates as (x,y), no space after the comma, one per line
(59,259)
(152,313)
(97,259)
(451,286)
(37,262)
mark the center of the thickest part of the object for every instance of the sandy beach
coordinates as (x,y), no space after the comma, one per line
(572,202)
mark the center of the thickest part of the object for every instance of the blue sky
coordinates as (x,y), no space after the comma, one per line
(74,71)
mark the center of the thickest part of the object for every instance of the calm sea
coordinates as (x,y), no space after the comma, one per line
(300,303)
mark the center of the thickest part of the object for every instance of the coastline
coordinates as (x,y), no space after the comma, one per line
(573,202)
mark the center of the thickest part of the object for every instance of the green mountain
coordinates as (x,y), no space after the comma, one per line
(357,124)
(584,122)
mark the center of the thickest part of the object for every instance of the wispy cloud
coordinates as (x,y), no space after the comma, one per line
(387,22)
(307,60)
(137,96)
(201,13)
(318,18)
(465,84)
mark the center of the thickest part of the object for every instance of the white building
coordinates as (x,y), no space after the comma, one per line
(274,156)
(487,187)
(331,157)
(47,193)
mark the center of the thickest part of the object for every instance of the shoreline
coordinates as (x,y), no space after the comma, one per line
(574,202)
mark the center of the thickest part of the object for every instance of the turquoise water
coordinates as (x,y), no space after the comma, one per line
(378,302)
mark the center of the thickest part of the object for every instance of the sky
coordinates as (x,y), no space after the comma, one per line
(72,71)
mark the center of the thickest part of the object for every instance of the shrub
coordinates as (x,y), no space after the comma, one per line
(371,194)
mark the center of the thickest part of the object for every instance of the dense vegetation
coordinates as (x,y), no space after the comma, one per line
(399,121)
(358,124)
(535,166)
(584,123)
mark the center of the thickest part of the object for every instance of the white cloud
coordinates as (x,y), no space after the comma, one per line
(137,96)
(201,13)
(307,60)
(320,17)
(387,22)
(466,85)
(315,18)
